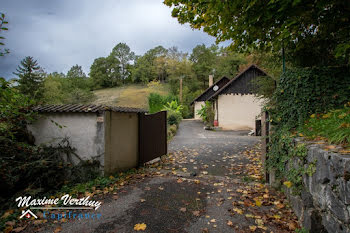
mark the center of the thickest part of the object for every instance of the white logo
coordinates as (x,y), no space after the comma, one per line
(28,214)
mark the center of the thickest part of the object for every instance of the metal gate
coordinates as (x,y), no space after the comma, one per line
(153,136)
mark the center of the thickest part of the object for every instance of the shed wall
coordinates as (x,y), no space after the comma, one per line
(197,106)
(121,141)
(238,112)
(85,134)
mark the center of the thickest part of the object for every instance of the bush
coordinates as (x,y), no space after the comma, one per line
(304,91)
(173,117)
(156,102)
(207,113)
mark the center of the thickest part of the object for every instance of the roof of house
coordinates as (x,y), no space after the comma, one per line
(209,91)
(243,86)
(84,108)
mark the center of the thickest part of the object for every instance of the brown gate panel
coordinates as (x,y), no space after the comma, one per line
(153,136)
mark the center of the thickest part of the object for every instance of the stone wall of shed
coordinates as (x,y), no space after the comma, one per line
(324,204)
(85,134)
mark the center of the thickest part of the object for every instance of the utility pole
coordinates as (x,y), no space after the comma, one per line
(283,58)
(180,94)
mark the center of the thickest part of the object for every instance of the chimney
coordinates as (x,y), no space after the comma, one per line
(211,80)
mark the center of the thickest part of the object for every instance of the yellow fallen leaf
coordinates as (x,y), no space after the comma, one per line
(142,200)
(252,228)
(258,203)
(213,220)
(238,211)
(140,227)
(288,184)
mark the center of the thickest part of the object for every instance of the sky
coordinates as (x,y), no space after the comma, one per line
(62,33)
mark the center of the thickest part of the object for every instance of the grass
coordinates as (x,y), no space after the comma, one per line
(134,95)
(333,126)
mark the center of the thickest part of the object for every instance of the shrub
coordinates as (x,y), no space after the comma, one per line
(156,102)
(173,117)
(207,113)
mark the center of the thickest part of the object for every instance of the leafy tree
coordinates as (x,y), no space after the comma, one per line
(3,28)
(78,78)
(104,72)
(124,55)
(227,63)
(203,59)
(76,72)
(30,77)
(318,30)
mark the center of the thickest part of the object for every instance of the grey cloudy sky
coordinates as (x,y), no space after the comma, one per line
(62,33)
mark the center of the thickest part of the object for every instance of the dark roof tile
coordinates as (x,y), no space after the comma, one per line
(85,108)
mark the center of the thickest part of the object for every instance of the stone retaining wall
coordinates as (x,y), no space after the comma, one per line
(324,204)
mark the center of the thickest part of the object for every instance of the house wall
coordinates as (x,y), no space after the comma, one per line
(122,141)
(85,134)
(197,106)
(238,112)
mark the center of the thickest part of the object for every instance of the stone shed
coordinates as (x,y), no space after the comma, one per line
(109,134)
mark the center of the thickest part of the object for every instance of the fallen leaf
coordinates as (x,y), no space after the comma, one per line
(213,220)
(229,223)
(142,200)
(140,227)
(183,209)
(258,203)
(160,188)
(288,184)
(58,229)
(196,213)
(252,228)
(238,211)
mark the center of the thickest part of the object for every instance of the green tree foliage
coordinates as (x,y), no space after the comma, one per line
(30,78)
(203,60)
(3,22)
(105,72)
(151,66)
(73,88)
(125,56)
(317,30)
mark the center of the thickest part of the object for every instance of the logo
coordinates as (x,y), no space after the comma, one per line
(28,214)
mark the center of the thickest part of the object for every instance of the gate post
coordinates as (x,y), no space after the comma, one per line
(265,125)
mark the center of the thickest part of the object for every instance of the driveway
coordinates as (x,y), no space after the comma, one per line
(209,182)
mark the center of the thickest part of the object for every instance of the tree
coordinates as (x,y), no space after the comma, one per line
(3,28)
(203,59)
(76,72)
(319,30)
(104,72)
(30,78)
(123,53)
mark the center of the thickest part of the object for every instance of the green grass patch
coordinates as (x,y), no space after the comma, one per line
(333,126)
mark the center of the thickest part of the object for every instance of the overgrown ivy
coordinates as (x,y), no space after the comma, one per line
(300,93)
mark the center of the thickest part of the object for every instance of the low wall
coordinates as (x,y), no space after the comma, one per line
(324,204)
(85,133)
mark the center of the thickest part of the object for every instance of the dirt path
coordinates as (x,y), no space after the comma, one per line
(210,182)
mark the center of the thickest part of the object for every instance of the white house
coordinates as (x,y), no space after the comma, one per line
(211,90)
(235,104)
